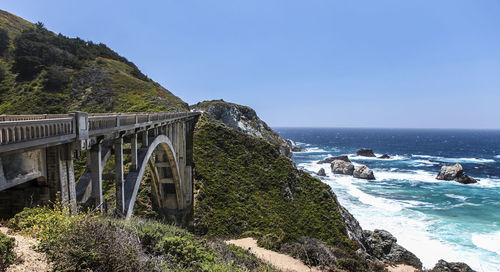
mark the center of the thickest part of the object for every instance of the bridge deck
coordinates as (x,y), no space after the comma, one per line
(24,132)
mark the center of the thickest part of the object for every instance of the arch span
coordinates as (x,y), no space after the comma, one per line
(167,179)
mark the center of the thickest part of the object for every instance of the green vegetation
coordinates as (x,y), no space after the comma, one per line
(89,242)
(7,254)
(41,72)
(246,188)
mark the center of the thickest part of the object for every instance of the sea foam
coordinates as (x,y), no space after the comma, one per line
(488,241)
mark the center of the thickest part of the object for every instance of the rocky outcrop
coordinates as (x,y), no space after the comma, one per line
(363,172)
(293,146)
(456,173)
(365,152)
(243,119)
(382,246)
(342,167)
(321,172)
(331,159)
(378,245)
(444,266)
(384,156)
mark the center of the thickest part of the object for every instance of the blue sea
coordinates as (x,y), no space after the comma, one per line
(433,219)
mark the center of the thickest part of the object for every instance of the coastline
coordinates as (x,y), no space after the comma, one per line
(377,209)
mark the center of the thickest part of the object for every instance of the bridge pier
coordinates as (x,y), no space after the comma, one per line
(96,176)
(133,148)
(119,182)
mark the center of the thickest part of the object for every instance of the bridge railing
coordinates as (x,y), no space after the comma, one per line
(25,131)
(30,130)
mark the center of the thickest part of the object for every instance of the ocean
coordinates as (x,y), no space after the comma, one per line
(434,219)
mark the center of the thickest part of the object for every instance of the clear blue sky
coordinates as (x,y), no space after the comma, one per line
(421,63)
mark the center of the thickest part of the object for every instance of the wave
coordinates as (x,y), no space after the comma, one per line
(497,156)
(455,160)
(462,198)
(488,241)
(392,158)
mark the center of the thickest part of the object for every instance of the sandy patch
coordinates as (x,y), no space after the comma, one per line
(28,258)
(280,261)
(401,268)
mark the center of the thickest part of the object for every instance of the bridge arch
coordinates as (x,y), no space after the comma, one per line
(166,177)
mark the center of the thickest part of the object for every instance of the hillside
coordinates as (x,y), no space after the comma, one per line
(41,72)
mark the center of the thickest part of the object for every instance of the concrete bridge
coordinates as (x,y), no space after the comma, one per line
(38,153)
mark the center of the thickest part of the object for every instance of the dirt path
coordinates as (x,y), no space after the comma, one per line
(280,261)
(28,258)
(402,268)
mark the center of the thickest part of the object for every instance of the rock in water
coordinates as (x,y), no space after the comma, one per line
(342,167)
(385,156)
(293,146)
(444,266)
(381,245)
(456,173)
(363,172)
(321,172)
(365,152)
(331,159)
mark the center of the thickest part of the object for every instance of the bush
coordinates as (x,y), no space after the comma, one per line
(7,254)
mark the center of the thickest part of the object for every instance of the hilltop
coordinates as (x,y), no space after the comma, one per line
(43,72)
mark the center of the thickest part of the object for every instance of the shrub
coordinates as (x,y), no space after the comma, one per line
(7,254)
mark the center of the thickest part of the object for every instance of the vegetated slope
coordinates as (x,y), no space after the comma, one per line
(246,187)
(126,245)
(41,72)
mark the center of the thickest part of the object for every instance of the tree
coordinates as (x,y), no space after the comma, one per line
(4,40)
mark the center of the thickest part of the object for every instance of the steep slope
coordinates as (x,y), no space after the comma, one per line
(246,187)
(41,72)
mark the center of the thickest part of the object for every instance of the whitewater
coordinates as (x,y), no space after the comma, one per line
(434,219)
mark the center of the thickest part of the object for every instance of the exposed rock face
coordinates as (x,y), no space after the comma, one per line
(444,266)
(456,173)
(244,119)
(331,159)
(321,172)
(342,167)
(378,245)
(385,156)
(363,172)
(293,146)
(365,152)
(381,245)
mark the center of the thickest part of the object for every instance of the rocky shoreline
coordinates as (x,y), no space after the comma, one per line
(381,245)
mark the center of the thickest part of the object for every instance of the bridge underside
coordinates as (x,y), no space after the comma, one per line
(37,175)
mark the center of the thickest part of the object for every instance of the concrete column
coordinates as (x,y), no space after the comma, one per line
(145,139)
(67,176)
(133,147)
(119,182)
(71,179)
(96,175)
(63,177)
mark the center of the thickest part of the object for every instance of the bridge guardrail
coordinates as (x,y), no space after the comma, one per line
(24,131)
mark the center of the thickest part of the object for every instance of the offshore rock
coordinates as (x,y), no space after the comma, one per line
(342,167)
(365,152)
(321,172)
(385,156)
(456,173)
(363,172)
(331,159)
(444,266)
